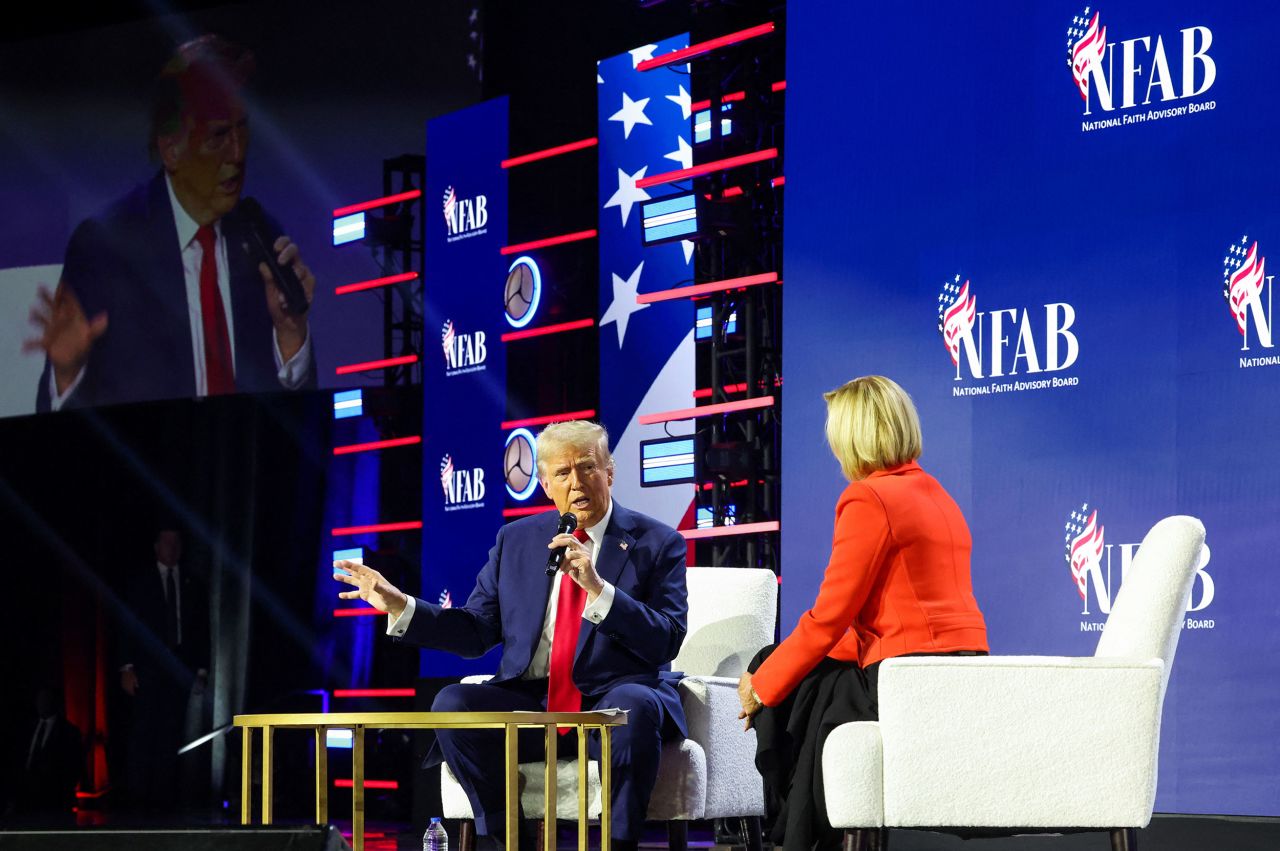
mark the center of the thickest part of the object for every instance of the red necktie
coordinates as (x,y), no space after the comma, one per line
(219,373)
(562,694)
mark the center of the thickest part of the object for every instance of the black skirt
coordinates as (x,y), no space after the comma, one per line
(789,740)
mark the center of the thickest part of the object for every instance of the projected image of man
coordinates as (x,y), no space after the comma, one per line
(163,294)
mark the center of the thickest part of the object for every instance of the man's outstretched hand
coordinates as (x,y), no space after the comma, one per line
(370,586)
(65,333)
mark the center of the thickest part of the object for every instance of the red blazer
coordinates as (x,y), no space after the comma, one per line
(897,583)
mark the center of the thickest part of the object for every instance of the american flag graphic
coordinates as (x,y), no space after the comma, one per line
(446,341)
(446,599)
(1084,545)
(957,312)
(450,201)
(446,473)
(1086,45)
(1243,273)
(645,127)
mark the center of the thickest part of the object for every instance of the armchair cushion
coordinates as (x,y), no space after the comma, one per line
(734,787)
(1019,741)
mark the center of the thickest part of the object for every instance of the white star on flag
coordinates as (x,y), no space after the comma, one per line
(599,79)
(683,154)
(624,302)
(640,54)
(631,114)
(627,193)
(682,100)
(687,245)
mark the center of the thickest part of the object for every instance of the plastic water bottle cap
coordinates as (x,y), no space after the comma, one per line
(435,820)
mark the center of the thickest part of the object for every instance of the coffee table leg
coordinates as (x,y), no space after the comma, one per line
(513,787)
(582,788)
(322,775)
(549,783)
(246,775)
(606,785)
(268,760)
(357,788)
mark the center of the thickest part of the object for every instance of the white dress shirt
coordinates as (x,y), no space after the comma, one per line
(596,611)
(291,374)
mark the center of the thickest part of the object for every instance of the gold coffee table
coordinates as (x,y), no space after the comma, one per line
(358,722)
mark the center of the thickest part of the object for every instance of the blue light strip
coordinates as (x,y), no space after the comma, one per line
(348,403)
(348,229)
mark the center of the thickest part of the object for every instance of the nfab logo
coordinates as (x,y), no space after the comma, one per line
(462,488)
(1007,341)
(463,353)
(1247,288)
(464,217)
(1098,569)
(1144,71)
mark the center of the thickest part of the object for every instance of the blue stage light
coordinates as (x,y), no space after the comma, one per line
(666,461)
(348,229)
(672,217)
(706,519)
(348,403)
(702,330)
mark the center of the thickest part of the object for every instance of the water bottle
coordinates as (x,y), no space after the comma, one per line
(435,839)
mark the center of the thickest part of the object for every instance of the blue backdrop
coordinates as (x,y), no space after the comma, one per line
(464,381)
(1052,235)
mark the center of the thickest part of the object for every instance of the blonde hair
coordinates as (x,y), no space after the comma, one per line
(574,434)
(872,425)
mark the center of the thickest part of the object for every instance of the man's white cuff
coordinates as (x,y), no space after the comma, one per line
(293,374)
(398,626)
(599,609)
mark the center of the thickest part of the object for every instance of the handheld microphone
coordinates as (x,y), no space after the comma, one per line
(568,522)
(258,245)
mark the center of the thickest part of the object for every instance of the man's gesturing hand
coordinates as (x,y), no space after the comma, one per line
(370,586)
(66,334)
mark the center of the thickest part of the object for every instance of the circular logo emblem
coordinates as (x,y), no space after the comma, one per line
(519,461)
(522,292)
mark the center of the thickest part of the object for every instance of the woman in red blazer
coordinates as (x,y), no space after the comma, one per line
(897,584)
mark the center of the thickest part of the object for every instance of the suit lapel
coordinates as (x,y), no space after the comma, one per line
(170,286)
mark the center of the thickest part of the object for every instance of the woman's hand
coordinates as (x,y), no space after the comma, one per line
(747,696)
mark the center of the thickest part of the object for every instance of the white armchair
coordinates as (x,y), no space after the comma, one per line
(1023,744)
(712,773)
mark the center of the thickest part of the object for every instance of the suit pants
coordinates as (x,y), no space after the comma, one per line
(476,756)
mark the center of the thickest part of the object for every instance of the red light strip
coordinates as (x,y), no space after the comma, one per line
(377,202)
(374,692)
(368,784)
(705,47)
(373,283)
(549,241)
(526,333)
(710,287)
(526,511)
(97,794)
(780,86)
(356,613)
(706,410)
(705,392)
(709,485)
(376,364)
(778,181)
(732,192)
(551,152)
(732,97)
(376,444)
(706,168)
(376,527)
(737,529)
(550,418)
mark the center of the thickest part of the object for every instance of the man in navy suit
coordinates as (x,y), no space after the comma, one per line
(158,296)
(600,634)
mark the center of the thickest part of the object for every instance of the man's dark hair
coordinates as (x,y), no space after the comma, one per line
(200,77)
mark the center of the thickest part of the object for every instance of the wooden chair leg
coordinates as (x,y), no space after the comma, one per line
(467,835)
(678,835)
(752,833)
(1124,839)
(540,842)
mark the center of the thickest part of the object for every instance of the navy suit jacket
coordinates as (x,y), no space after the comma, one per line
(643,559)
(127,262)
